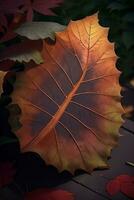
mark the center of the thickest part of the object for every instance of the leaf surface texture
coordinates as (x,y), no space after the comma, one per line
(71,110)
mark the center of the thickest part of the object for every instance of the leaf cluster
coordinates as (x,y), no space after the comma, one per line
(118,15)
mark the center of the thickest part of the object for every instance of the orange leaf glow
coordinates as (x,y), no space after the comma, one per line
(71,110)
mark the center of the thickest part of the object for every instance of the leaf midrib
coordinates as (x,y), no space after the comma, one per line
(47,129)
(55,119)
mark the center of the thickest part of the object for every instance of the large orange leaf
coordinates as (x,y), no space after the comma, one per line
(71,109)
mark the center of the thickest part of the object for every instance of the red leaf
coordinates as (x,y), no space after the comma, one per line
(6,173)
(113,187)
(124,183)
(8,7)
(127,188)
(10,34)
(125,178)
(44,7)
(41,6)
(49,194)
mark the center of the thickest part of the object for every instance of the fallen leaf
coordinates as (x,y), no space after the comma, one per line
(123,183)
(7,173)
(127,188)
(113,187)
(39,30)
(125,178)
(71,110)
(49,194)
(41,6)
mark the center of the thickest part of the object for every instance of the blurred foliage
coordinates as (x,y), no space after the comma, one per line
(117,15)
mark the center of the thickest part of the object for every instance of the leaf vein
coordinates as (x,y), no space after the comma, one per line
(55,61)
(93,111)
(84,125)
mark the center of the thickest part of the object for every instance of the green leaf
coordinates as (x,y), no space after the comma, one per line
(129,17)
(128,38)
(7,140)
(39,30)
(130,163)
(116,6)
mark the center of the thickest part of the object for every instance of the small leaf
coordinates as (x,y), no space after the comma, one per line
(130,163)
(113,187)
(23,52)
(125,178)
(123,183)
(26,57)
(126,184)
(39,30)
(127,188)
(40,6)
(49,194)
